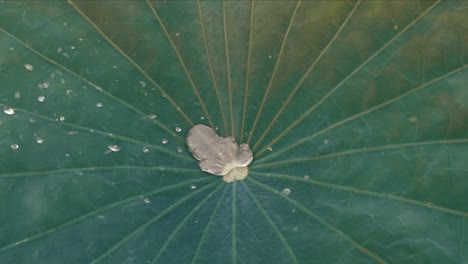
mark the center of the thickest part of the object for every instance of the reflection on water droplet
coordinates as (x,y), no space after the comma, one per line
(17,95)
(152,116)
(146,200)
(145,150)
(99,104)
(14,146)
(270,149)
(286,191)
(306,177)
(193,187)
(113,148)
(179,149)
(9,111)
(164,141)
(28,67)
(39,140)
(178,129)
(41,98)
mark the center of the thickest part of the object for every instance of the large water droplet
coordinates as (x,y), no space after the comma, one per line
(164,141)
(61,118)
(9,111)
(178,129)
(14,146)
(39,140)
(113,148)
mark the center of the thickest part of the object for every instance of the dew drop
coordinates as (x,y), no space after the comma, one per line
(177,34)
(59,50)
(41,98)
(146,200)
(72,47)
(61,118)
(325,141)
(152,116)
(180,150)
(28,67)
(202,117)
(286,191)
(9,111)
(164,141)
(14,146)
(306,177)
(269,56)
(143,84)
(39,140)
(178,129)
(145,150)
(193,187)
(17,95)
(270,149)
(99,104)
(113,148)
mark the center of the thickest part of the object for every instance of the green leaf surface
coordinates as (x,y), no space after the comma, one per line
(357,113)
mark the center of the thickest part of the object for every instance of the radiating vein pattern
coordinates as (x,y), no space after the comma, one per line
(356,111)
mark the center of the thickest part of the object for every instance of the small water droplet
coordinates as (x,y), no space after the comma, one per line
(145,150)
(286,191)
(178,129)
(29,67)
(143,84)
(41,98)
(177,34)
(72,47)
(413,119)
(202,117)
(193,187)
(164,141)
(113,148)
(62,81)
(269,56)
(270,149)
(325,141)
(293,210)
(146,200)
(39,140)
(17,95)
(9,111)
(12,48)
(180,150)
(69,92)
(152,116)
(14,146)
(61,118)
(306,177)
(59,50)
(99,104)
(67,155)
